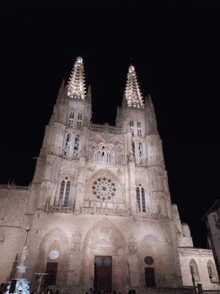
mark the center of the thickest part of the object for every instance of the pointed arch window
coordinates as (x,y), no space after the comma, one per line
(138,198)
(71,117)
(211,271)
(139,129)
(194,270)
(132,127)
(140,194)
(67,145)
(99,156)
(133,149)
(79,121)
(108,157)
(76,146)
(140,150)
(103,153)
(143,200)
(64,193)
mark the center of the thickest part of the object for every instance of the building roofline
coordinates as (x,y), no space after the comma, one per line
(214,207)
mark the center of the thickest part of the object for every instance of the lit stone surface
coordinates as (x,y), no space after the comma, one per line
(99,190)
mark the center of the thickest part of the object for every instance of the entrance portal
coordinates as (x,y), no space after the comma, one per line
(51,269)
(149,277)
(103,274)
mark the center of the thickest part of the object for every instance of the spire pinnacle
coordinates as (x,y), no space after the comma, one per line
(132,91)
(76,85)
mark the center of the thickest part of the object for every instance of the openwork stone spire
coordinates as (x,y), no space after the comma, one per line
(132,92)
(76,84)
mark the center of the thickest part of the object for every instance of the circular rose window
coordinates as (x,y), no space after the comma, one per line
(54,254)
(104,189)
(148,260)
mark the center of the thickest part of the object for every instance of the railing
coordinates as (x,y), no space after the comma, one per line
(8,187)
(195,250)
(106,128)
(103,211)
(58,208)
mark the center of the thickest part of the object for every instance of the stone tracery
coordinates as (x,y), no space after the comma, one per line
(104,189)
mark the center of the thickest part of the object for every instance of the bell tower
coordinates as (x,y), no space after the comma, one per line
(64,138)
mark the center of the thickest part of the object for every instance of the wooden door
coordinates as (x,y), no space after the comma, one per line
(149,277)
(51,269)
(103,274)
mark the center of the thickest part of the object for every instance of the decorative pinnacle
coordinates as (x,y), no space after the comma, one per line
(76,85)
(132,91)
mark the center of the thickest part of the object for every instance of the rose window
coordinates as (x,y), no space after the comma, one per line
(104,189)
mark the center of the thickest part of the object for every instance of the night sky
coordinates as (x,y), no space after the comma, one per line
(175,49)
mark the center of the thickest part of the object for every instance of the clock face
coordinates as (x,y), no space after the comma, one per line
(54,254)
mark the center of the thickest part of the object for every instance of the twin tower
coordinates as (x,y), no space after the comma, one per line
(100,200)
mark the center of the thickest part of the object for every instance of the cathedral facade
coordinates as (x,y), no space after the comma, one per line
(98,212)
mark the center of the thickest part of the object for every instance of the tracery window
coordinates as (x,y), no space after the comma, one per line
(64,193)
(67,145)
(76,146)
(141,198)
(104,189)
(139,124)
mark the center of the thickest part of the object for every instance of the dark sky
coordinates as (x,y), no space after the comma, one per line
(175,49)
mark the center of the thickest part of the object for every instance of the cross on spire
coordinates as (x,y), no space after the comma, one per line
(76,84)
(132,91)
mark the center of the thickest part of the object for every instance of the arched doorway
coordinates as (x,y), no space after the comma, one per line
(53,257)
(105,257)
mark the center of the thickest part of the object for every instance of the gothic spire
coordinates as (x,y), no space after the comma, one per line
(76,85)
(132,91)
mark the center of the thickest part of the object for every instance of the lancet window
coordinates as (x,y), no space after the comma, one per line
(140,150)
(132,127)
(194,270)
(67,145)
(108,158)
(79,121)
(64,193)
(133,149)
(103,154)
(211,270)
(140,194)
(76,146)
(71,119)
(139,129)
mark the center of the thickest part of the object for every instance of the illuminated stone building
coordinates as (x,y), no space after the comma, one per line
(99,201)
